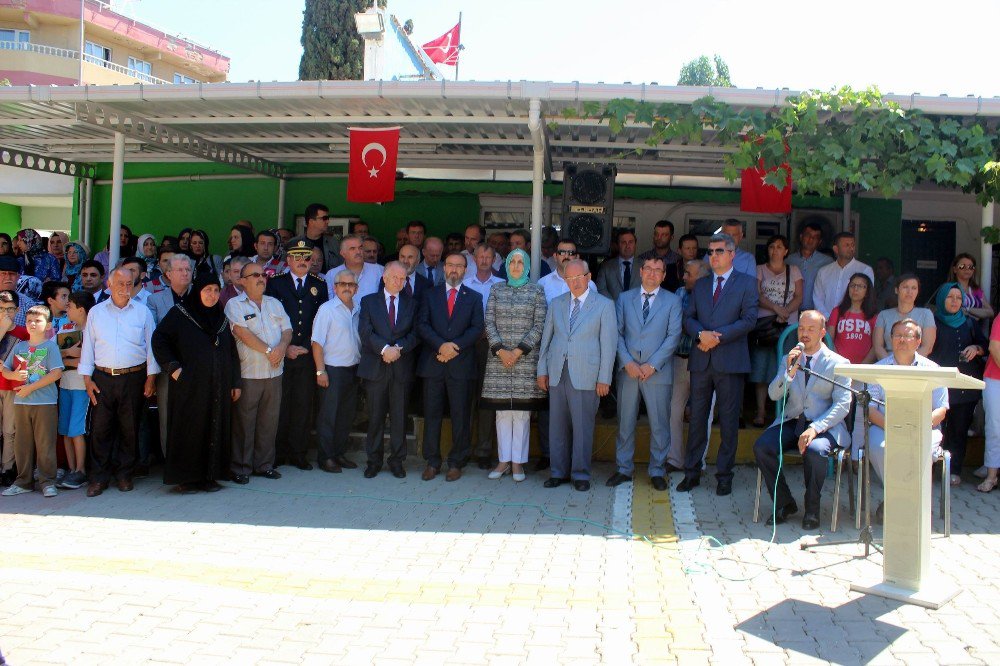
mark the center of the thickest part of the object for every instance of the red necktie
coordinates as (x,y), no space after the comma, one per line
(718,290)
(408,289)
(452,293)
(392,311)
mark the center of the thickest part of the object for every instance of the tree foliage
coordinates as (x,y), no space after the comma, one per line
(331,45)
(833,142)
(699,72)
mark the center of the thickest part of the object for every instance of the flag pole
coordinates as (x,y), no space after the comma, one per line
(459,44)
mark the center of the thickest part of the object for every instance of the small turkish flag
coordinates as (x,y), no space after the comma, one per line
(371,173)
(444,49)
(756,196)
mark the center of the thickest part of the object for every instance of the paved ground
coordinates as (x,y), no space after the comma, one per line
(323,569)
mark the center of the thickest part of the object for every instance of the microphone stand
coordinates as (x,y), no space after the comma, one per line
(866,535)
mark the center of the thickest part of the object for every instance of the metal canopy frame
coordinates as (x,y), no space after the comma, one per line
(55,165)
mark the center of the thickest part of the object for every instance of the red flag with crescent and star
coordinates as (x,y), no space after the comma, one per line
(371,173)
(444,49)
(757,196)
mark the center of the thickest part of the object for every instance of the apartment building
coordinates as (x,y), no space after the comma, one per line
(66,42)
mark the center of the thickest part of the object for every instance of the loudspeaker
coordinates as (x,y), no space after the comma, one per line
(588,206)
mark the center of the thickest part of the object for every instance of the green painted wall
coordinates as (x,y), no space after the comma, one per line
(881,229)
(10,218)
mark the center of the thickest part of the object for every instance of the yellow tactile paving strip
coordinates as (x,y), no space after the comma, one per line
(667,621)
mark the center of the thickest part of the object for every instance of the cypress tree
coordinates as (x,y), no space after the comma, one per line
(331,45)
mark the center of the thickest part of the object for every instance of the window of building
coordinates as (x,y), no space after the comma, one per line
(14,39)
(97,54)
(139,68)
(182,78)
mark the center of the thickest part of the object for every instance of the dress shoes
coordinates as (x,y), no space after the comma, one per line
(269,474)
(554,482)
(345,462)
(782,513)
(397,470)
(724,488)
(582,486)
(371,471)
(241,479)
(658,483)
(125,485)
(542,464)
(303,465)
(95,488)
(810,521)
(617,479)
(454,474)
(429,473)
(184,489)
(330,465)
(687,483)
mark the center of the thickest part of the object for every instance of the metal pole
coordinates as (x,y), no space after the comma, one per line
(117,176)
(87,213)
(281,202)
(986,258)
(82,40)
(459,47)
(846,225)
(537,182)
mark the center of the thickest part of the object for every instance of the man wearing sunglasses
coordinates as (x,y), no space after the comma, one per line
(317,222)
(554,284)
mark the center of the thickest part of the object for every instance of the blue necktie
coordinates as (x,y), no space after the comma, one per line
(645,306)
(574,313)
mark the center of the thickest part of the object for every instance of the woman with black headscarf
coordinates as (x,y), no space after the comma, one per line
(34,259)
(194,346)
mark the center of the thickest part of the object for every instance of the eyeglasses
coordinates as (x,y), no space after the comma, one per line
(966,267)
(254,275)
(652,269)
(12,309)
(566,253)
(859,285)
(578,277)
(904,336)
(324,218)
(349,285)
(718,250)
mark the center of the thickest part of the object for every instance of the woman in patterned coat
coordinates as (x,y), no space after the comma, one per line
(515,315)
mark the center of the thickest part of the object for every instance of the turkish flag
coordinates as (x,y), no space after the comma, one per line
(444,49)
(371,173)
(756,196)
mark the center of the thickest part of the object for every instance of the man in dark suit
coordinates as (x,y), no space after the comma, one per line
(415,284)
(388,342)
(449,321)
(720,314)
(301,294)
(622,272)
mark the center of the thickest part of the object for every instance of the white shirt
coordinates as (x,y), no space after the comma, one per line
(335,329)
(652,295)
(266,322)
(555,286)
(118,338)
(367,278)
(725,278)
(831,284)
(482,287)
(582,298)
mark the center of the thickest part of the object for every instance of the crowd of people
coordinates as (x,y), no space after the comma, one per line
(233,361)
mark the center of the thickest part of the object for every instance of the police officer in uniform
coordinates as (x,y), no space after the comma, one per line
(300,294)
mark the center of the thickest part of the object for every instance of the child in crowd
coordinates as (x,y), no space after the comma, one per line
(9,336)
(55,295)
(73,399)
(38,364)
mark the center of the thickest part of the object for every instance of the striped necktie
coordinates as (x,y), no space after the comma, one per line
(574,313)
(645,306)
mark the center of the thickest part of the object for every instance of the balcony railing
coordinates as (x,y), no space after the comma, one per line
(75,55)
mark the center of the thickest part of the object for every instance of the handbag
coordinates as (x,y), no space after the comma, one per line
(768,330)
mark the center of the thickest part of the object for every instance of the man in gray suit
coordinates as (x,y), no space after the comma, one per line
(619,274)
(578,351)
(812,420)
(649,329)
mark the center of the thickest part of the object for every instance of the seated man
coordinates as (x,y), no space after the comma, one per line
(812,420)
(906,335)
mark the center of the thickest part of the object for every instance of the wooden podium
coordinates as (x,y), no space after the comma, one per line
(907,525)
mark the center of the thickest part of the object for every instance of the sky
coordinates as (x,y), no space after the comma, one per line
(901,47)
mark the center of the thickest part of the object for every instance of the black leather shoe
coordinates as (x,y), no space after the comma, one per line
(617,479)
(554,482)
(810,521)
(397,471)
(782,514)
(330,465)
(687,484)
(303,465)
(542,464)
(241,479)
(371,471)
(724,488)
(210,486)
(269,474)
(658,483)
(582,486)
(345,462)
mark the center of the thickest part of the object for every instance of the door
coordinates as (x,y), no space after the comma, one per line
(926,249)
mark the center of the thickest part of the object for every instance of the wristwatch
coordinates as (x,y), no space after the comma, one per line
(268,350)
(320,372)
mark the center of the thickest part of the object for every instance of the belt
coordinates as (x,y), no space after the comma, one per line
(114,372)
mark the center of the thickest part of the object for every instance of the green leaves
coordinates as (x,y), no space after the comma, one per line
(832,141)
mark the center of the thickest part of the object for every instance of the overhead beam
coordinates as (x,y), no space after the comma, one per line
(138,127)
(24,159)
